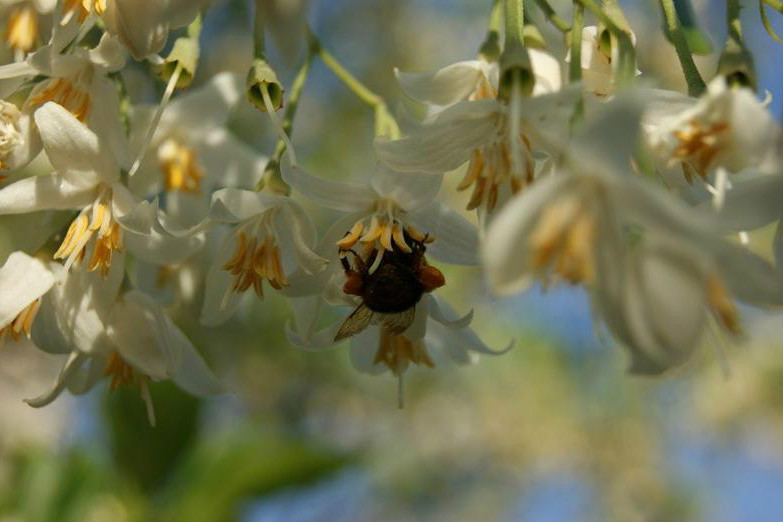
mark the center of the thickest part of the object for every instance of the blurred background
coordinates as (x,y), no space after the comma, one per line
(554,431)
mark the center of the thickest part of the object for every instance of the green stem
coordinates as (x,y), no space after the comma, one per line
(695,82)
(259,37)
(385,124)
(552,16)
(612,18)
(765,19)
(575,67)
(515,23)
(272,178)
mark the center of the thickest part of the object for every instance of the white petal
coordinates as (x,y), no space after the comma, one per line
(445,86)
(753,203)
(442,312)
(610,137)
(204,109)
(364,348)
(547,71)
(444,144)
(55,192)
(147,339)
(297,234)
(108,54)
(219,302)
(456,239)
(105,121)
(233,205)
(504,251)
(23,279)
(330,194)
(74,362)
(229,162)
(410,191)
(71,147)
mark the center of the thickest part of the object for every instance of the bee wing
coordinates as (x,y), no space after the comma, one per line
(355,323)
(398,323)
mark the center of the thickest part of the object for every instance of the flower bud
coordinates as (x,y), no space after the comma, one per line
(736,65)
(184,54)
(262,77)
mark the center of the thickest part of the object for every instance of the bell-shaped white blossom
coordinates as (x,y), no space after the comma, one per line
(727,127)
(598,74)
(270,237)
(591,223)
(87,179)
(475,80)
(123,337)
(75,80)
(143,25)
(191,153)
(502,141)
(22,22)
(23,281)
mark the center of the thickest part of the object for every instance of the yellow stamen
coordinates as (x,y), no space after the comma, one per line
(21,33)
(251,264)
(399,238)
(397,352)
(352,237)
(71,93)
(22,323)
(120,372)
(81,9)
(181,170)
(564,239)
(699,144)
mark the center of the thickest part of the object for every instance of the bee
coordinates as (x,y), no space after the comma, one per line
(389,293)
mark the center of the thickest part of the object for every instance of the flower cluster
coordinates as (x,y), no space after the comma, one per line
(644,197)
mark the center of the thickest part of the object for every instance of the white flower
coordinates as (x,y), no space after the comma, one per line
(665,293)
(125,338)
(436,336)
(598,75)
(502,148)
(475,80)
(23,281)
(143,25)
(383,218)
(596,223)
(78,82)
(726,128)
(191,153)
(22,22)
(379,214)
(87,179)
(270,237)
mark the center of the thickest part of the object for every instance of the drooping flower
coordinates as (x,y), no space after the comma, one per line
(143,25)
(596,223)
(474,80)
(87,177)
(124,338)
(727,127)
(191,153)
(270,237)
(385,219)
(23,282)
(501,141)
(436,336)
(598,74)
(76,81)
(23,23)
